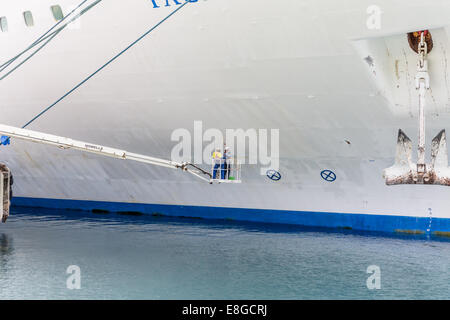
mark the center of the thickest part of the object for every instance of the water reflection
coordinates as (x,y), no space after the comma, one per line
(133,222)
(6,249)
(154,257)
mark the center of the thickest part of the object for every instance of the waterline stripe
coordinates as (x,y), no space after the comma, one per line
(363,222)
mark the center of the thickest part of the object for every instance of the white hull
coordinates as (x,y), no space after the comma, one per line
(290,65)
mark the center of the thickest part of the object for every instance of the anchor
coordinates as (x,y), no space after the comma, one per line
(404,171)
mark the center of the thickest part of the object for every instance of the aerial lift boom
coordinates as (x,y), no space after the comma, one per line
(67,143)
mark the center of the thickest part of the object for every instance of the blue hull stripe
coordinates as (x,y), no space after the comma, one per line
(366,222)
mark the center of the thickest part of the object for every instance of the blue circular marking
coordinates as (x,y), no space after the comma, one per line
(273,175)
(328,175)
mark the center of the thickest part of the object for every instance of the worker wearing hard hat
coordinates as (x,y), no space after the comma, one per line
(226,165)
(217,160)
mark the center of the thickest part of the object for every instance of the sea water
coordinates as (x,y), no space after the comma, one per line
(54,254)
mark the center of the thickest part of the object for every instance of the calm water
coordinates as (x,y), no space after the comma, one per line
(123,257)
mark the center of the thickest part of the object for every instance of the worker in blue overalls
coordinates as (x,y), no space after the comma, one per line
(217,159)
(226,163)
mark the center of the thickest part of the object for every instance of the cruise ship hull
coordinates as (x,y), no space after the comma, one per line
(300,67)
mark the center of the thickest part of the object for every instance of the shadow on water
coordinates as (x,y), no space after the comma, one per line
(136,218)
(6,249)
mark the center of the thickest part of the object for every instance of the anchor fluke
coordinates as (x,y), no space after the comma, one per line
(404,149)
(439,156)
(401,171)
(439,160)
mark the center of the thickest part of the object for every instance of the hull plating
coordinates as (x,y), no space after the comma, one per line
(286,65)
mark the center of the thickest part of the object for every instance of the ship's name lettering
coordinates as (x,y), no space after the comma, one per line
(168,3)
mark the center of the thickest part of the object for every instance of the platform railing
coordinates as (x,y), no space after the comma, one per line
(226,170)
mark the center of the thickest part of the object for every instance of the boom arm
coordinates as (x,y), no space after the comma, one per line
(67,143)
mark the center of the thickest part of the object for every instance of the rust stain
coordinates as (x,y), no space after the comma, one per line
(445,61)
(414,39)
(406,231)
(408,84)
(414,178)
(396,70)
(442,233)
(35,164)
